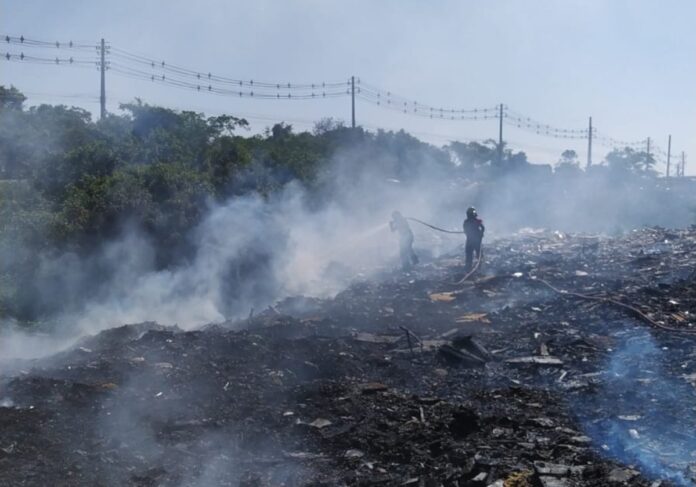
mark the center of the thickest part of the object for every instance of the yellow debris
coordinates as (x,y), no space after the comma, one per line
(679,317)
(519,479)
(442,297)
(473,317)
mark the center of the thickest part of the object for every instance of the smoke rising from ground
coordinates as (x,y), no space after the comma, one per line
(640,410)
(252,251)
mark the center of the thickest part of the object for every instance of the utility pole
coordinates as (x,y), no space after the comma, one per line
(669,153)
(683,163)
(589,145)
(352,99)
(102,98)
(500,135)
(647,150)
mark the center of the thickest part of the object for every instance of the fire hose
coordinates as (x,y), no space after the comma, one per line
(432,226)
(438,229)
(628,307)
(473,269)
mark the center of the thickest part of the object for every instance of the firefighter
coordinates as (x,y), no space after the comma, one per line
(399,224)
(473,228)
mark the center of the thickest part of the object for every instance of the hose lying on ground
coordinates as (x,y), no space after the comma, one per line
(632,309)
(473,269)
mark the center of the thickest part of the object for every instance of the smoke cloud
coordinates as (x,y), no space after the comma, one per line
(251,251)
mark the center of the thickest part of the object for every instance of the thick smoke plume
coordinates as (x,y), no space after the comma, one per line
(249,252)
(252,251)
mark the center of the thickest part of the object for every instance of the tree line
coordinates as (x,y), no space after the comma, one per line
(69,183)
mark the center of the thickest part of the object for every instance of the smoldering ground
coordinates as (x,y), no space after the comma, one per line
(163,385)
(251,251)
(640,413)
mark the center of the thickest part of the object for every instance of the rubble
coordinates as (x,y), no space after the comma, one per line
(418,381)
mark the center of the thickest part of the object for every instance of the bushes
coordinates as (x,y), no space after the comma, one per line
(24,219)
(155,169)
(164,200)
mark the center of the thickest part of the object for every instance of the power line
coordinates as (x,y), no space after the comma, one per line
(33,43)
(132,65)
(391,101)
(159,67)
(216,89)
(65,61)
(48,96)
(521,121)
(607,141)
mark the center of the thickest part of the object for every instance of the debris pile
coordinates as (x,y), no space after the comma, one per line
(411,379)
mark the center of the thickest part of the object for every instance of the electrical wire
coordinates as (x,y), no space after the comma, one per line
(33,43)
(521,121)
(141,67)
(217,90)
(388,100)
(64,61)
(206,76)
(607,141)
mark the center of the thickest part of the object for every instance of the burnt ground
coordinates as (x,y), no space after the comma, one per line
(405,380)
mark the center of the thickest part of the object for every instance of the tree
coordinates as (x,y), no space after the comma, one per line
(225,125)
(569,158)
(327,124)
(568,164)
(512,161)
(631,161)
(32,139)
(164,200)
(473,155)
(164,135)
(227,157)
(279,131)
(476,156)
(11,99)
(67,170)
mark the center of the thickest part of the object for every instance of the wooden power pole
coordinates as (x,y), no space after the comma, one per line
(352,100)
(102,98)
(589,145)
(500,135)
(669,152)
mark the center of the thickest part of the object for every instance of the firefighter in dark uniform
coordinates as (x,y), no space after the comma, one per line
(473,228)
(399,224)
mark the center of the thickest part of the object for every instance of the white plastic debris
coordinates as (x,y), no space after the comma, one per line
(354,454)
(320,423)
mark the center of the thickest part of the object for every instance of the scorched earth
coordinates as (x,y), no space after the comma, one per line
(565,360)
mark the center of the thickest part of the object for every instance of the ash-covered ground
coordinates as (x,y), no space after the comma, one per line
(409,379)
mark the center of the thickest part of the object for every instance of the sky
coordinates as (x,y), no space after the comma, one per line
(630,64)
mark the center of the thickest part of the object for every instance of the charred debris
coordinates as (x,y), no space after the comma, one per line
(505,379)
